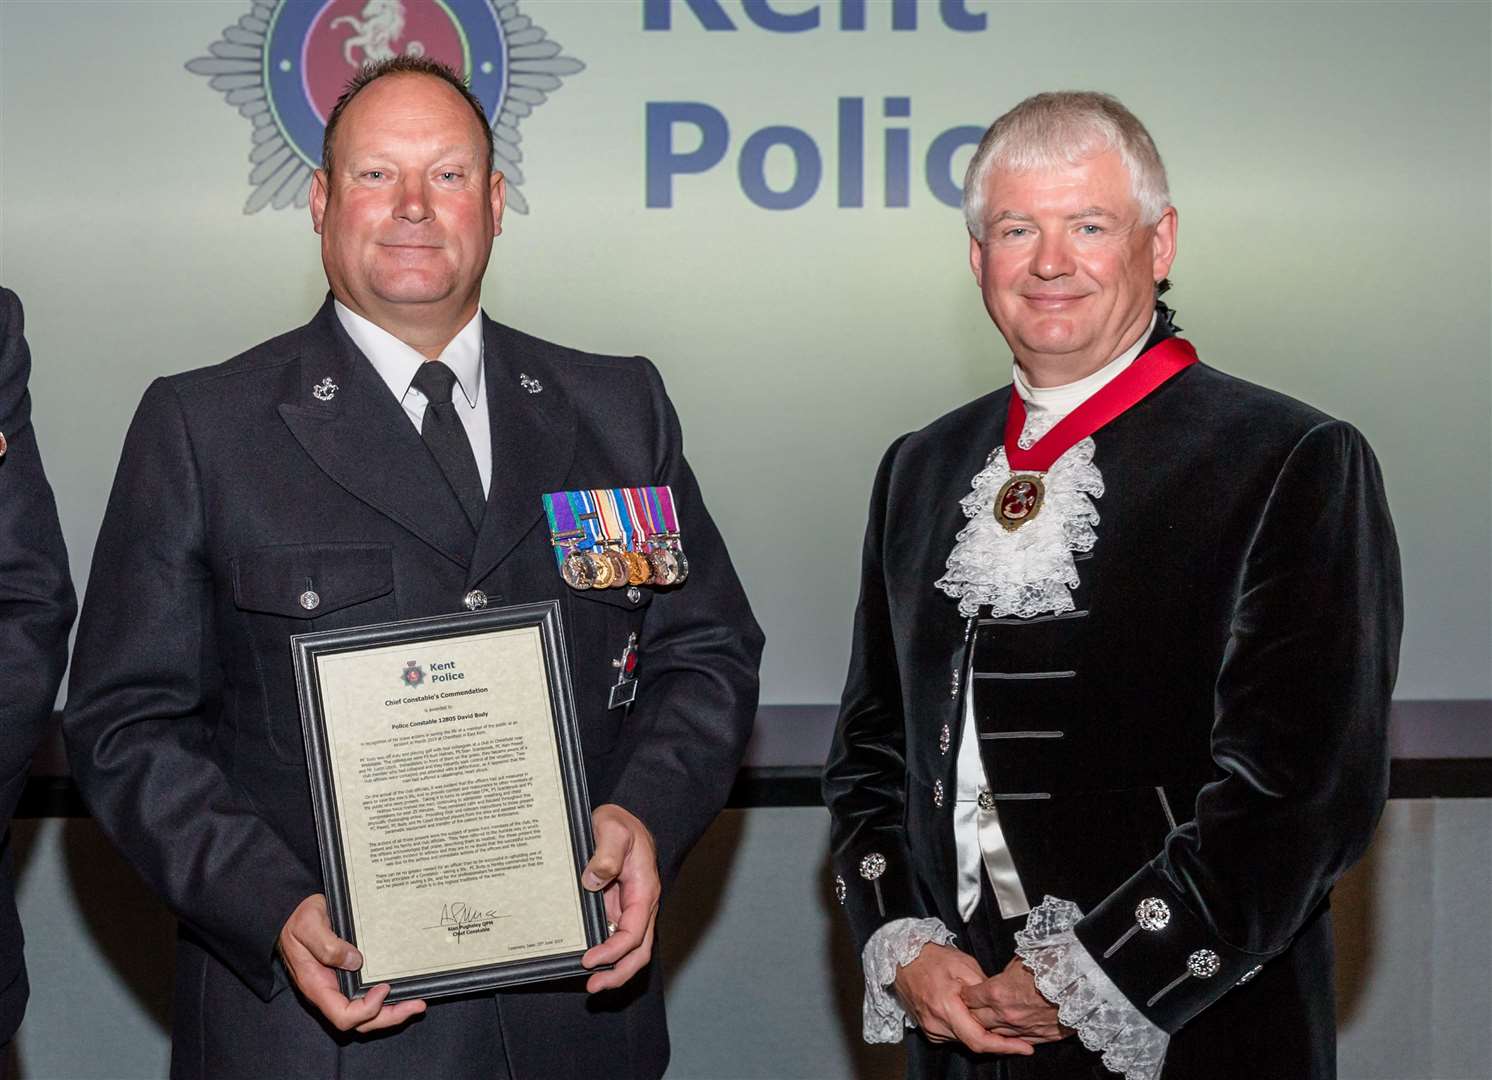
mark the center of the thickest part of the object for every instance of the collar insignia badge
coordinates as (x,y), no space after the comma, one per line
(529,383)
(325,390)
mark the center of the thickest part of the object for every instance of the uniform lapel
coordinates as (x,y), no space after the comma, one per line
(533,441)
(358,435)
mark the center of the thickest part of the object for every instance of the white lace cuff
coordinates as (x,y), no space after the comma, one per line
(894,946)
(1087,999)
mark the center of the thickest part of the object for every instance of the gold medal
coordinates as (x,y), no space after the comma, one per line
(1019,500)
(605,569)
(619,567)
(638,569)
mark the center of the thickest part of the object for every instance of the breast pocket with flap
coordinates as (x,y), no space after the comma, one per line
(289,589)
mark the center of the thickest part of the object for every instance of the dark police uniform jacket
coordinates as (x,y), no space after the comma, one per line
(1207,728)
(238,485)
(36,611)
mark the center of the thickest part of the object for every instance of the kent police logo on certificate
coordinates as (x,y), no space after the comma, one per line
(283,65)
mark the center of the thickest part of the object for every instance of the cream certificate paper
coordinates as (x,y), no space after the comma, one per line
(450,804)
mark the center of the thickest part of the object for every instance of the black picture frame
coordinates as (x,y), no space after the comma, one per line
(545,616)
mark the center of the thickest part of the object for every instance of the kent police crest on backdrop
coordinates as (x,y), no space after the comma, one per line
(284,63)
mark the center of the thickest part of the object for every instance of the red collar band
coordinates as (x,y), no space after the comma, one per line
(1131,386)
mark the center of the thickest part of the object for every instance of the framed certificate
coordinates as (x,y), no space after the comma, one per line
(451,807)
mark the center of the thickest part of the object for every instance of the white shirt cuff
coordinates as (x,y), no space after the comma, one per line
(1087,999)
(890,948)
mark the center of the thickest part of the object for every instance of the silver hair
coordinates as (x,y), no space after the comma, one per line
(1065,127)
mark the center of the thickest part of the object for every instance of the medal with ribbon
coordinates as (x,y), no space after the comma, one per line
(607,538)
(1020,498)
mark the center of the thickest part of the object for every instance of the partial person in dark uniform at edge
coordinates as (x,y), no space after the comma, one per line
(1127,634)
(36,612)
(299,487)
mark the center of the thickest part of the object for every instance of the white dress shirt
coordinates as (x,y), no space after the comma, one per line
(977,835)
(397,364)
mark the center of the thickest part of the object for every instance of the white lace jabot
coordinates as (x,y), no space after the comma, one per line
(1030,571)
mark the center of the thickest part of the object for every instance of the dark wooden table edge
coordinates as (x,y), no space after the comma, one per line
(1409,778)
(798,785)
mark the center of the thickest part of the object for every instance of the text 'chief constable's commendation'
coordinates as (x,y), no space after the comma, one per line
(449,802)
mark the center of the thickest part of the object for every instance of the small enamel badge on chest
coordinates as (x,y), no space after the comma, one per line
(625,690)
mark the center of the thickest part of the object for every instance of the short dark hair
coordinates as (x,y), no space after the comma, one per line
(403,65)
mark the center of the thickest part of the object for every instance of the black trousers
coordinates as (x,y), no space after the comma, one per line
(991,940)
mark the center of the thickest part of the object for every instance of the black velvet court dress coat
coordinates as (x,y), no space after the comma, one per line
(1227,675)
(238,484)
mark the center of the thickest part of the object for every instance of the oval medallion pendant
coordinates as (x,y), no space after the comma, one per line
(1019,500)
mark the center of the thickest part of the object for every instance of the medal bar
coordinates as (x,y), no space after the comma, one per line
(608,538)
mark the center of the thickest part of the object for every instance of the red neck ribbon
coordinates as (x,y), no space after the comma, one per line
(1128,388)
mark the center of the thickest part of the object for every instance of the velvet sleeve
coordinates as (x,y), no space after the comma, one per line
(865,776)
(1299,734)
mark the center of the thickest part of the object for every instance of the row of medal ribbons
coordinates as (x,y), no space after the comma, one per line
(611,538)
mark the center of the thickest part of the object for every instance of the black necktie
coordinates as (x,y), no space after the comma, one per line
(445,435)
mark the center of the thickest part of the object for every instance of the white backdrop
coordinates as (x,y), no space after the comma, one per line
(1330,163)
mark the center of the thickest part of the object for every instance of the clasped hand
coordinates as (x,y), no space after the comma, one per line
(624,869)
(949,996)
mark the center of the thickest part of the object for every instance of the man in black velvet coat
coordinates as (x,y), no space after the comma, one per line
(288,490)
(1115,718)
(36,611)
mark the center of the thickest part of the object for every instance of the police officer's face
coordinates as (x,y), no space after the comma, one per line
(1067,270)
(408,214)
